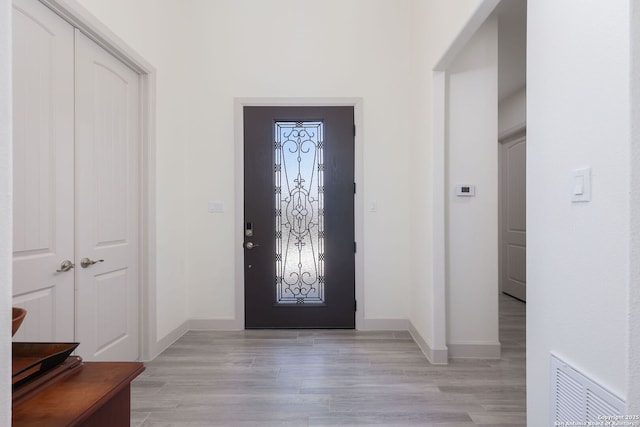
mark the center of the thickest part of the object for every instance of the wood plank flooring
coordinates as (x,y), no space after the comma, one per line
(330,378)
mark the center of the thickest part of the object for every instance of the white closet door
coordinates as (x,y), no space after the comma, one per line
(514,218)
(43,168)
(107,188)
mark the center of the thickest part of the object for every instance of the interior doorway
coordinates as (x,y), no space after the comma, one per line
(510,17)
(512,97)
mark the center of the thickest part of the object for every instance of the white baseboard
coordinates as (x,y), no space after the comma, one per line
(215,325)
(166,341)
(436,356)
(474,351)
(382,325)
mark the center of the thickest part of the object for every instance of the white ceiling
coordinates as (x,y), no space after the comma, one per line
(512,46)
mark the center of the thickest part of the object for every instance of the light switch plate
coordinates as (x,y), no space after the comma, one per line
(581,185)
(216,207)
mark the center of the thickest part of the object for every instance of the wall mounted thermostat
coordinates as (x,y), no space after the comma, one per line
(465,190)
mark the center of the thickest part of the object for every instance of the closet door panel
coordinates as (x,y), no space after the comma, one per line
(43,172)
(107,192)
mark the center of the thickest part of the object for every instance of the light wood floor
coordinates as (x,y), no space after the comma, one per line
(330,378)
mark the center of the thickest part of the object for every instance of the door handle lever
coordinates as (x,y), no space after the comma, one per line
(250,245)
(86,262)
(65,266)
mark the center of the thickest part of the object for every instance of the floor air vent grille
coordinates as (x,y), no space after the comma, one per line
(576,398)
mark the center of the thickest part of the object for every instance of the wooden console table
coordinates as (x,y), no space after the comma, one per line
(96,394)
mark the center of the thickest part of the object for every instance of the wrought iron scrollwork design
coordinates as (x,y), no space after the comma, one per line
(299,212)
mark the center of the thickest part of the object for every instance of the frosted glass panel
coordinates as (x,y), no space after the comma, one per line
(299,212)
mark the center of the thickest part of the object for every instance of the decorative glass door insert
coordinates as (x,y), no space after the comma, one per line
(299,212)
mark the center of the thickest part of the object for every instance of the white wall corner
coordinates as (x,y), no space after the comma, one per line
(439,171)
(480,15)
(165,342)
(435,356)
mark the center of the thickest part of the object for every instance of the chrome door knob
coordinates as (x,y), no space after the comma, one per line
(65,266)
(86,262)
(250,245)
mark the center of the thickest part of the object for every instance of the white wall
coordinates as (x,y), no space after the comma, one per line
(577,254)
(5,211)
(472,229)
(214,52)
(435,25)
(383,51)
(249,48)
(373,48)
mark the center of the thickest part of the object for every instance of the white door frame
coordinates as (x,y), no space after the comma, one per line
(6,206)
(80,18)
(237,322)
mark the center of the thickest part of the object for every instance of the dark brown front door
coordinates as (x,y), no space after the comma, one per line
(299,262)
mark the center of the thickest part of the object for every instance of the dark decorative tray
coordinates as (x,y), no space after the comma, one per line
(32,359)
